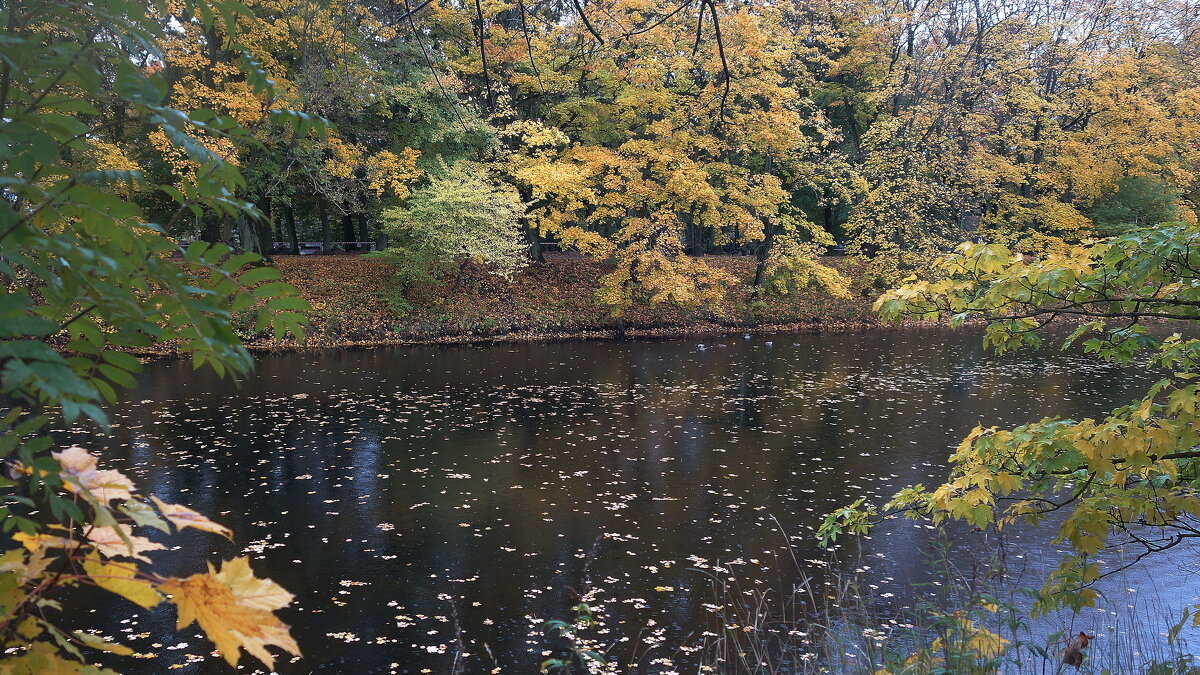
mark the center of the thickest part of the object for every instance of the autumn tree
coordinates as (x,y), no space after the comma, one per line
(319,55)
(1009,121)
(642,132)
(462,216)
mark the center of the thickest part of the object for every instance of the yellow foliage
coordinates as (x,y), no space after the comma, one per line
(233,608)
(121,578)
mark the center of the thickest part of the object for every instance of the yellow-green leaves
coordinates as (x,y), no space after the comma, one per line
(121,578)
(1134,469)
(233,607)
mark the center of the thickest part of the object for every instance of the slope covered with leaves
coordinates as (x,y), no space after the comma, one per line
(361,301)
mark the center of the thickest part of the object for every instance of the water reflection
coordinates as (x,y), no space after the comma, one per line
(375,485)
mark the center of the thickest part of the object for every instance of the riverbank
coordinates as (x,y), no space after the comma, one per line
(361,302)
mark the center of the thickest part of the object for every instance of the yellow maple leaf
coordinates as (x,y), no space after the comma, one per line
(233,608)
(183,517)
(36,541)
(121,579)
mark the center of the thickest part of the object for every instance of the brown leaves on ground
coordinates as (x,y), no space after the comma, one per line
(355,301)
(234,609)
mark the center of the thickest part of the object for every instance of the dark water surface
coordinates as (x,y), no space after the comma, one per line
(391,489)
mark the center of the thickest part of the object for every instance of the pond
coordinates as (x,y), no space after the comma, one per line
(404,495)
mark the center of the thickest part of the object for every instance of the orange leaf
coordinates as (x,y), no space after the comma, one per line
(234,609)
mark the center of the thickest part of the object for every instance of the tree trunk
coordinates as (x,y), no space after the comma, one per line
(261,229)
(363,232)
(697,234)
(828,221)
(324,216)
(764,252)
(210,229)
(347,229)
(289,216)
(534,242)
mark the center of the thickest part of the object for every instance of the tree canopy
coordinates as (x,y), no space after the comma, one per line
(648,134)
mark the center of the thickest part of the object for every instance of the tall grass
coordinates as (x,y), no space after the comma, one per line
(969,620)
(816,618)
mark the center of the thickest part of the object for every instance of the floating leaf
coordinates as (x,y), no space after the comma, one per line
(97,642)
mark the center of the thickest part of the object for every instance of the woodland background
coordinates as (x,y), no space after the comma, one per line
(642,134)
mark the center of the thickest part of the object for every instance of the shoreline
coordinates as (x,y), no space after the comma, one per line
(362,304)
(527,337)
(614,334)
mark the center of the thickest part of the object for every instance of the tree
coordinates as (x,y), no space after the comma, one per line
(87,276)
(463,215)
(319,56)
(1127,479)
(642,132)
(1007,122)
(1138,201)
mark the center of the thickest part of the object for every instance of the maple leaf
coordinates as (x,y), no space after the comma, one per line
(36,541)
(79,469)
(233,608)
(120,543)
(183,517)
(75,460)
(121,579)
(143,514)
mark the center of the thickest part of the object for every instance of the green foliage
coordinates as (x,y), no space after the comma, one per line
(791,266)
(1139,201)
(463,215)
(582,652)
(86,277)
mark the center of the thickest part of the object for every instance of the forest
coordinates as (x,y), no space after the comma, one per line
(201,177)
(648,134)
